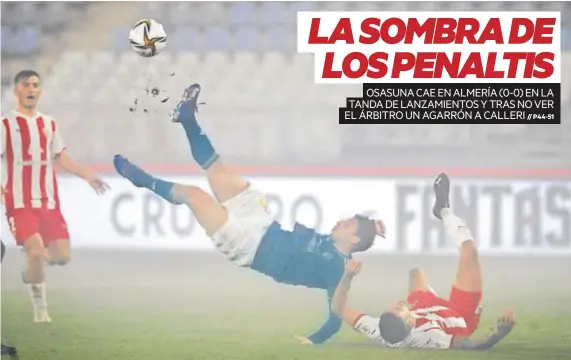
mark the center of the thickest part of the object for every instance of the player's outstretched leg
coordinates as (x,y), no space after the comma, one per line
(225,183)
(469,276)
(208,212)
(467,290)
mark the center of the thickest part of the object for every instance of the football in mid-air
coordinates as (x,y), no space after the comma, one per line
(148,37)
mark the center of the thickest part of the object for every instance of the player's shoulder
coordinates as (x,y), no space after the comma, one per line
(9,116)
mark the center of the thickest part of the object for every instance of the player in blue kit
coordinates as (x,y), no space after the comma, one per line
(237,221)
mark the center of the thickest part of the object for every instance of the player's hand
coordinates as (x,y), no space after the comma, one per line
(380,228)
(303,340)
(506,322)
(352,268)
(98,185)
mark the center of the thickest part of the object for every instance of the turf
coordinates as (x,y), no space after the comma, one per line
(181,306)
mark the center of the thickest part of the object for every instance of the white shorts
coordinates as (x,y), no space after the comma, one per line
(248,220)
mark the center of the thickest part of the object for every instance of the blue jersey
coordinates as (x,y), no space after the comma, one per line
(302,257)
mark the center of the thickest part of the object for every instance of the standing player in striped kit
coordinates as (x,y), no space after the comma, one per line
(425,320)
(31,147)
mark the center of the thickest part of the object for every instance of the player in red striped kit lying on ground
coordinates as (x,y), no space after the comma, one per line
(426,320)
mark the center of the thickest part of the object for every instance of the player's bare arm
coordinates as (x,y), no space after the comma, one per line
(67,163)
(339,301)
(504,326)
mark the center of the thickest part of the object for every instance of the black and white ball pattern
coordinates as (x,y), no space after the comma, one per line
(148,37)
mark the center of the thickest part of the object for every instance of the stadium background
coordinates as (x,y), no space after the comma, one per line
(262,110)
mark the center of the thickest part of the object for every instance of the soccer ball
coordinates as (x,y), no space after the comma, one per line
(148,37)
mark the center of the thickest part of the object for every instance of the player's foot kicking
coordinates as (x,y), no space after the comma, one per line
(185,114)
(441,192)
(188,104)
(457,229)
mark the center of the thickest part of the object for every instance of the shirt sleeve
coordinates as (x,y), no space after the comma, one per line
(57,145)
(369,326)
(330,327)
(331,271)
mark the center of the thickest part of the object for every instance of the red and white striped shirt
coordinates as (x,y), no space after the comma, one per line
(427,335)
(434,327)
(29,144)
(445,318)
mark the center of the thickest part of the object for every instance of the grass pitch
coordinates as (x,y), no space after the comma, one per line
(187,306)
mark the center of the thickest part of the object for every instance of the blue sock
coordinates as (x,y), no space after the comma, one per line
(164,190)
(200,146)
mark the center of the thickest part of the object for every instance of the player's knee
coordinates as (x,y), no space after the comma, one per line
(36,254)
(417,280)
(58,253)
(415,273)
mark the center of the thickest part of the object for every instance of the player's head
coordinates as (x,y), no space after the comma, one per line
(357,232)
(396,324)
(27,88)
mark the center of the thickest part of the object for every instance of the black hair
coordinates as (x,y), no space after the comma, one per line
(393,328)
(24,75)
(366,232)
